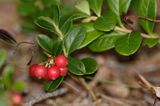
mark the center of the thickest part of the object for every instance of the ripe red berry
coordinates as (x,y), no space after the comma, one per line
(32,69)
(17,99)
(61,61)
(40,71)
(53,72)
(63,71)
(46,77)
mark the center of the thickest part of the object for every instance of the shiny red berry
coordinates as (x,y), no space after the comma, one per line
(17,99)
(46,77)
(61,61)
(40,71)
(32,69)
(53,72)
(63,71)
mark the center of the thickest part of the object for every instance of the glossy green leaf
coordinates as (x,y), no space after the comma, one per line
(147,8)
(96,6)
(83,6)
(105,42)
(52,85)
(124,5)
(74,39)
(7,76)
(106,22)
(128,44)
(90,37)
(90,65)
(3,57)
(46,23)
(150,42)
(76,66)
(118,7)
(45,42)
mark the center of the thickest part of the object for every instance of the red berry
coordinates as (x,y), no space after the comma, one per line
(53,72)
(46,77)
(63,71)
(61,61)
(40,71)
(32,69)
(17,99)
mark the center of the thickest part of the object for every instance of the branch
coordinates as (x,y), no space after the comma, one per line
(42,97)
(128,31)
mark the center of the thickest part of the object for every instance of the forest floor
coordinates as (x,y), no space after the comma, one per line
(116,82)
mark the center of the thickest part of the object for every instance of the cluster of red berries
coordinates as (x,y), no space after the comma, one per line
(51,71)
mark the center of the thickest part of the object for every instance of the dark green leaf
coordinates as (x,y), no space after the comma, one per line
(47,23)
(83,6)
(90,65)
(150,42)
(76,66)
(57,47)
(45,42)
(106,22)
(3,56)
(96,6)
(90,37)
(105,42)
(147,8)
(128,44)
(74,39)
(124,5)
(52,85)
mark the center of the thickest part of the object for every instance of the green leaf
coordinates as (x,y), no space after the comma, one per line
(57,47)
(147,8)
(107,22)
(124,5)
(47,23)
(118,7)
(3,57)
(150,42)
(74,38)
(96,6)
(128,44)
(19,86)
(105,42)
(90,65)
(90,37)
(7,76)
(76,66)
(52,85)
(45,42)
(83,6)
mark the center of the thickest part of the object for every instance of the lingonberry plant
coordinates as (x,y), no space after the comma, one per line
(84,23)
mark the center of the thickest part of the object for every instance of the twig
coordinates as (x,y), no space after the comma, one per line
(71,86)
(114,100)
(42,97)
(89,90)
(128,31)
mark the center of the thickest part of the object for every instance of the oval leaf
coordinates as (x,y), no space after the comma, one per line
(74,39)
(83,6)
(76,66)
(150,42)
(46,23)
(147,8)
(128,44)
(105,42)
(106,22)
(52,85)
(90,65)
(96,6)
(45,42)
